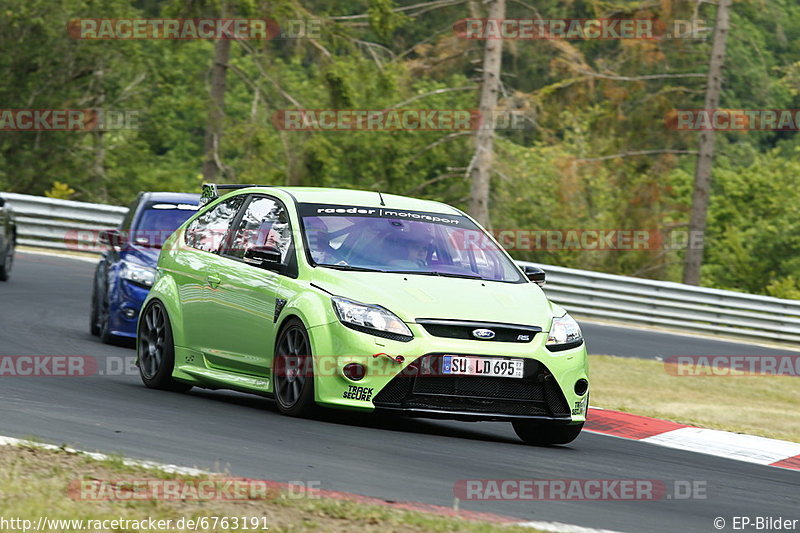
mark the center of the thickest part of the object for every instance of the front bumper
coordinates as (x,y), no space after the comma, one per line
(124,307)
(546,391)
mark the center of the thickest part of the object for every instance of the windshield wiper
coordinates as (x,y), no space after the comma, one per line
(350,267)
(434,273)
(417,272)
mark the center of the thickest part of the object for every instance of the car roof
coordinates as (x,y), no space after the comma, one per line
(173,197)
(351,197)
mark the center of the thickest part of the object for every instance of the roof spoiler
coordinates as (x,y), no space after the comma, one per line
(211,191)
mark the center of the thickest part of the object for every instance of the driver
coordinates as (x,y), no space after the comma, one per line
(411,249)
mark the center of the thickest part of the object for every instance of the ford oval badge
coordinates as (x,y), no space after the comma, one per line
(483,334)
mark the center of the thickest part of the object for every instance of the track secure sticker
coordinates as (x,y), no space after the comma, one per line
(580,407)
(361,394)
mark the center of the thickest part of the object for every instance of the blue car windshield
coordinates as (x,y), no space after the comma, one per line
(158,220)
(412,242)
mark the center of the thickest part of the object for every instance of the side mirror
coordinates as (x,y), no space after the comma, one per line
(111,237)
(267,256)
(535,274)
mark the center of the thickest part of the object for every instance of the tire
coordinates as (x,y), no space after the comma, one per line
(104,326)
(94,328)
(102,322)
(8,262)
(293,371)
(546,433)
(155,350)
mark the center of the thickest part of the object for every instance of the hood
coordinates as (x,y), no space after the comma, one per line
(412,296)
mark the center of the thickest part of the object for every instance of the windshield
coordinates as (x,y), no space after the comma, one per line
(158,221)
(413,242)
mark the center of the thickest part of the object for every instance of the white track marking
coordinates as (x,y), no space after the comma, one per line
(150,465)
(56,254)
(748,448)
(558,527)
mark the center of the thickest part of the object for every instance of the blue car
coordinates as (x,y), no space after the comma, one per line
(125,273)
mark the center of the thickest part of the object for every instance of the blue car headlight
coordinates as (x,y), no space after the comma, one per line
(138,274)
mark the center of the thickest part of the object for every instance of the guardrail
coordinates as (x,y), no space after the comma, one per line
(672,305)
(61,224)
(72,225)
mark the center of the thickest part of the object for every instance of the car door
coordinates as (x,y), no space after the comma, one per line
(247,293)
(196,272)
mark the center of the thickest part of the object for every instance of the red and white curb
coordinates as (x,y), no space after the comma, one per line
(741,447)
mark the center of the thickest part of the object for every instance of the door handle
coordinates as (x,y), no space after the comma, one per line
(213,280)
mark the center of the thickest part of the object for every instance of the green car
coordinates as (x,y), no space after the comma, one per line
(363,301)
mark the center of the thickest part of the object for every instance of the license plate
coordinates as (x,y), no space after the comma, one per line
(482,366)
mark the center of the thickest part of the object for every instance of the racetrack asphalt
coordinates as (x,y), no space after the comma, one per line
(44,310)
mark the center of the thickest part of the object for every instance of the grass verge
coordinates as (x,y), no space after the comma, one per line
(757,405)
(35,483)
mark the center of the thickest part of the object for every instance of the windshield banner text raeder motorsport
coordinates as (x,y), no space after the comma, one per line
(322,210)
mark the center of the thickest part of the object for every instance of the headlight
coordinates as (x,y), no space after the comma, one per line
(564,334)
(371,319)
(138,274)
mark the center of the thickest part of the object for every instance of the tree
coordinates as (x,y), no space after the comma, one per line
(481,165)
(216,112)
(702,180)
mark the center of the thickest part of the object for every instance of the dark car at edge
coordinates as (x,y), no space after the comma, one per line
(8,239)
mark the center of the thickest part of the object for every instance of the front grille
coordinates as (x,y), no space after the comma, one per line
(478,407)
(478,387)
(421,386)
(459,329)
